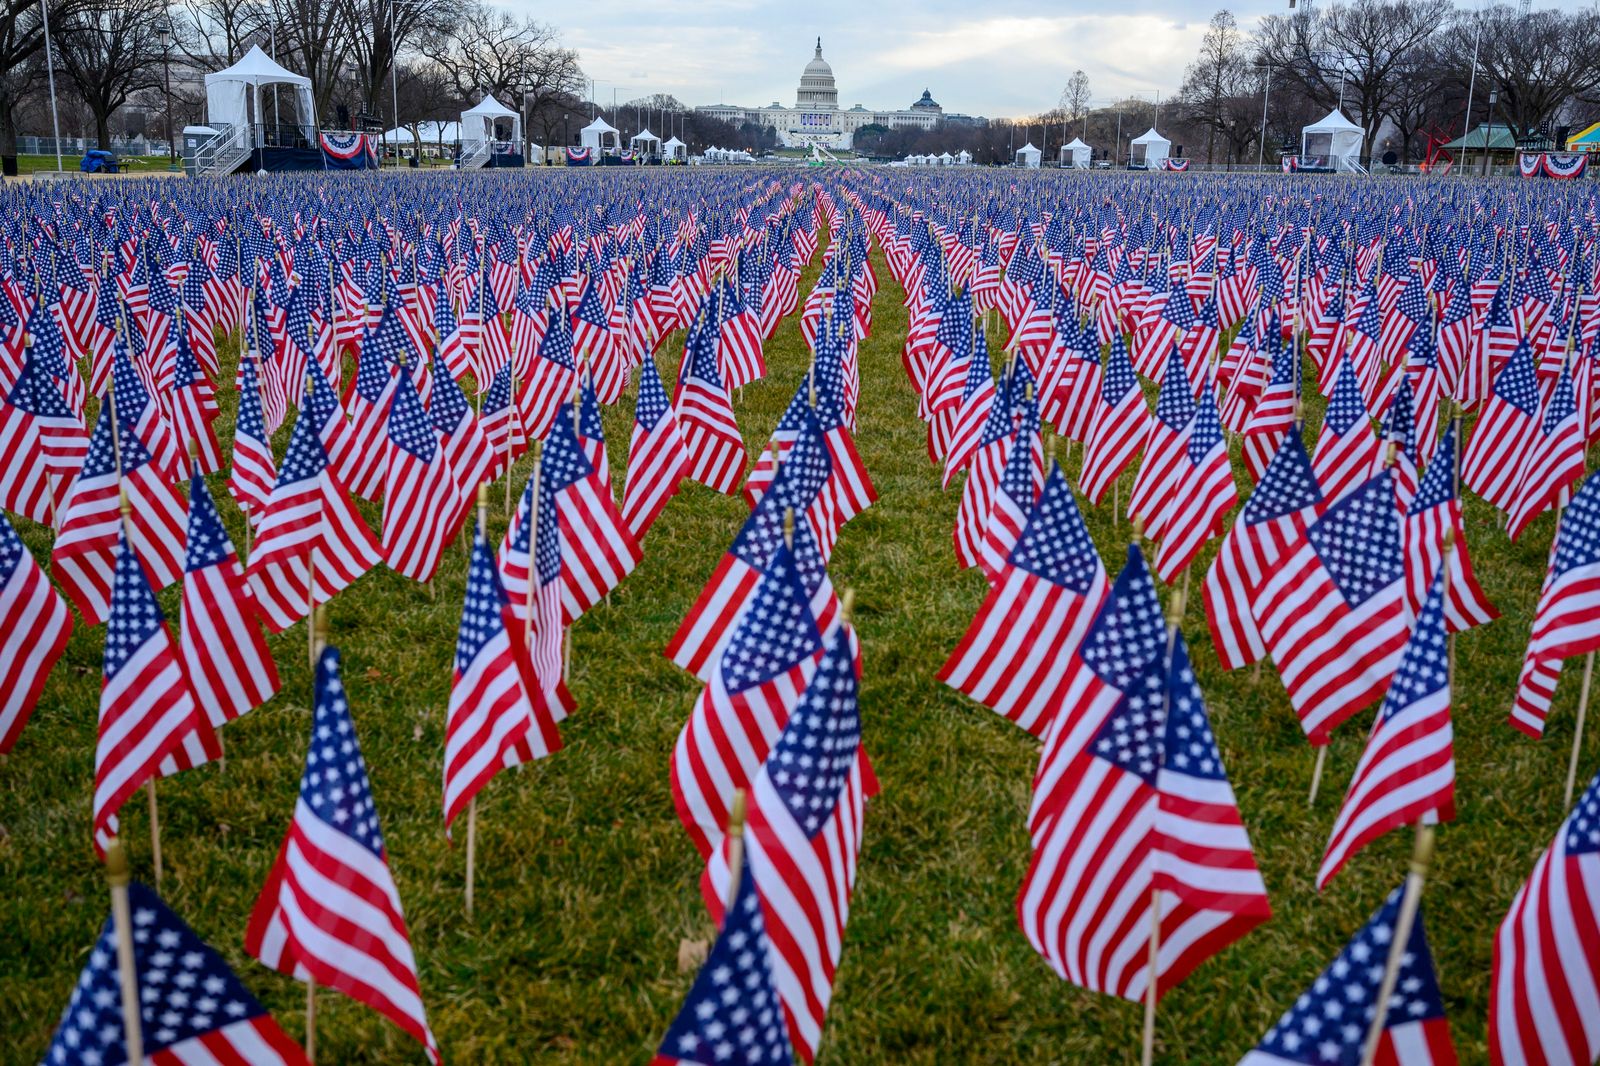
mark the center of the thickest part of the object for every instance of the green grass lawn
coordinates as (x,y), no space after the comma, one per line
(129,164)
(587,883)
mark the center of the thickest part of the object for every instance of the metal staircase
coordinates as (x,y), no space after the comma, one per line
(475,154)
(223,154)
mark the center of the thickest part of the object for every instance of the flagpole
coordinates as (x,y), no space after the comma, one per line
(1421,855)
(533,549)
(1152,965)
(1577,734)
(122,924)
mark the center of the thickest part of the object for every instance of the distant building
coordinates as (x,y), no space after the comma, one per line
(816,117)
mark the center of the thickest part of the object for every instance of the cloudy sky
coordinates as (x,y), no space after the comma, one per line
(1006,59)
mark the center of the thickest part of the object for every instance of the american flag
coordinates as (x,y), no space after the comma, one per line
(254,470)
(1564,623)
(657,458)
(224,655)
(802,841)
(597,550)
(311,541)
(1545,981)
(1554,461)
(36,632)
(149,724)
(329,912)
(499,716)
(1333,612)
(452,348)
(466,450)
(531,561)
(359,453)
(1505,432)
(502,425)
(420,492)
(192,1007)
(1407,771)
(1166,446)
(1132,809)
(552,377)
(62,441)
(705,414)
(1434,514)
(90,524)
(1202,494)
(732,1013)
(1015,655)
(1116,425)
(1329,1023)
(983,477)
(697,644)
(757,678)
(1400,434)
(1014,493)
(25,476)
(1272,415)
(1347,450)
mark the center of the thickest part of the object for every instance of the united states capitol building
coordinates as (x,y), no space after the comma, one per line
(816,117)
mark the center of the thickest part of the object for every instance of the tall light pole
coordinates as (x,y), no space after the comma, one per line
(1488,126)
(1266,95)
(164,32)
(50,69)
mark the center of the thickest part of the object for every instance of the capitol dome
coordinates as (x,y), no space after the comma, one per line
(817,90)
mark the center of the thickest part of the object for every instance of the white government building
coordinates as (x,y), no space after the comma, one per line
(816,118)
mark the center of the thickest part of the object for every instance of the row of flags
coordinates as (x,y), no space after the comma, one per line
(1347,564)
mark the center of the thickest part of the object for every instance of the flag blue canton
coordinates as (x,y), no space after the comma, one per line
(1438,484)
(1206,433)
(36,394)
(1188,745)
(1327,1026)
(12,550)
(1413,302)
(1017,477)
(135,616)
(481,618)
(652,404)
(556,344)
(776,631)
(732,1015)
(334,786)
(1517,383)
(1175,405)
(1563,402)
(1055,543)
(1358,540)
(306,458)
(563,462)
(1127,640)
(1287,486)
(1578,536)
(186,990)
(409,425)
(1119,378)
(498,396)
(1345,408)
(449,405)
(816,752)
(207,543)
(1582,828)
(1399,425)
(1425,665)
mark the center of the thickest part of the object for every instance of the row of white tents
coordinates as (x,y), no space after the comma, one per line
(1332,143)
(962,158)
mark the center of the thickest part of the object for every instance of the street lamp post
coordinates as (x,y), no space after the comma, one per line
(164,32)
(50,70)
(1488,126)
(1266,95)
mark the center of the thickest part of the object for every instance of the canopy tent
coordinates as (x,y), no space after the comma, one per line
(1585,140)
(645,142)
(1027,156)
(431,133)
(964,158)
(1335,140)
(946,159)
(1149,150)
(1076,154)
(479,123)
(228,104)
(675,150)
(595,133)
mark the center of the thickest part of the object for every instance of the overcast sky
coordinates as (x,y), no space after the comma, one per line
(999,59)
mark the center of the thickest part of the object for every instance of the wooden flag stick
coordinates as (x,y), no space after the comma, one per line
(735,850)
(127,972)
(1153,963)
(1421,855)
(1577,733)
(1316,774)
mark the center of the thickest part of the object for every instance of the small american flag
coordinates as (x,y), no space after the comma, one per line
(732,1013)
(1434,514)
(1116,426)
(1505,432)
(224,655)
(149,724)
(1014,493)
(330,912)
(705,414)
(367,403)
(420,493)
(1333,613)
(1555,459)
(1166,445)
(193,1008)
(984,469)
(1407,771)
(1202,494)
(37,627)
(1347,450)
(25,470)
(657,459)
(1545,982)
(1328,1024)
(466,450)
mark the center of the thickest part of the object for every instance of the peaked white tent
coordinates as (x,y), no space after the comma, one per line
(1334,142)
(645,143)
(1028,156)
(946,160)
(1149,150)
(478,124)
(228,103)
(675,150)
(1076,154)
(595,133)
(964,158)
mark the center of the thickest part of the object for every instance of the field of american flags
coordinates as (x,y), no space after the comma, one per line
(586,886)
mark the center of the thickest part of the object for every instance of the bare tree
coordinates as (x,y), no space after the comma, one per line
(314,38)
(21,55)
(1075,97)
(1215,82)
(110,49)
(213,34)
(1539,61)
(387,27)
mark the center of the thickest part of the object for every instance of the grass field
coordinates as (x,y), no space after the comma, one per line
(587,883)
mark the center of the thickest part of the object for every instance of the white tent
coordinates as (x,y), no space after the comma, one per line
(1149,150)
(432,133)
(595,133)
(675,150)
(645,143)
(946,160)
(964,157)
(1028,156)
(227,103)
(478,124)
(1333,142)
(1076,154)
